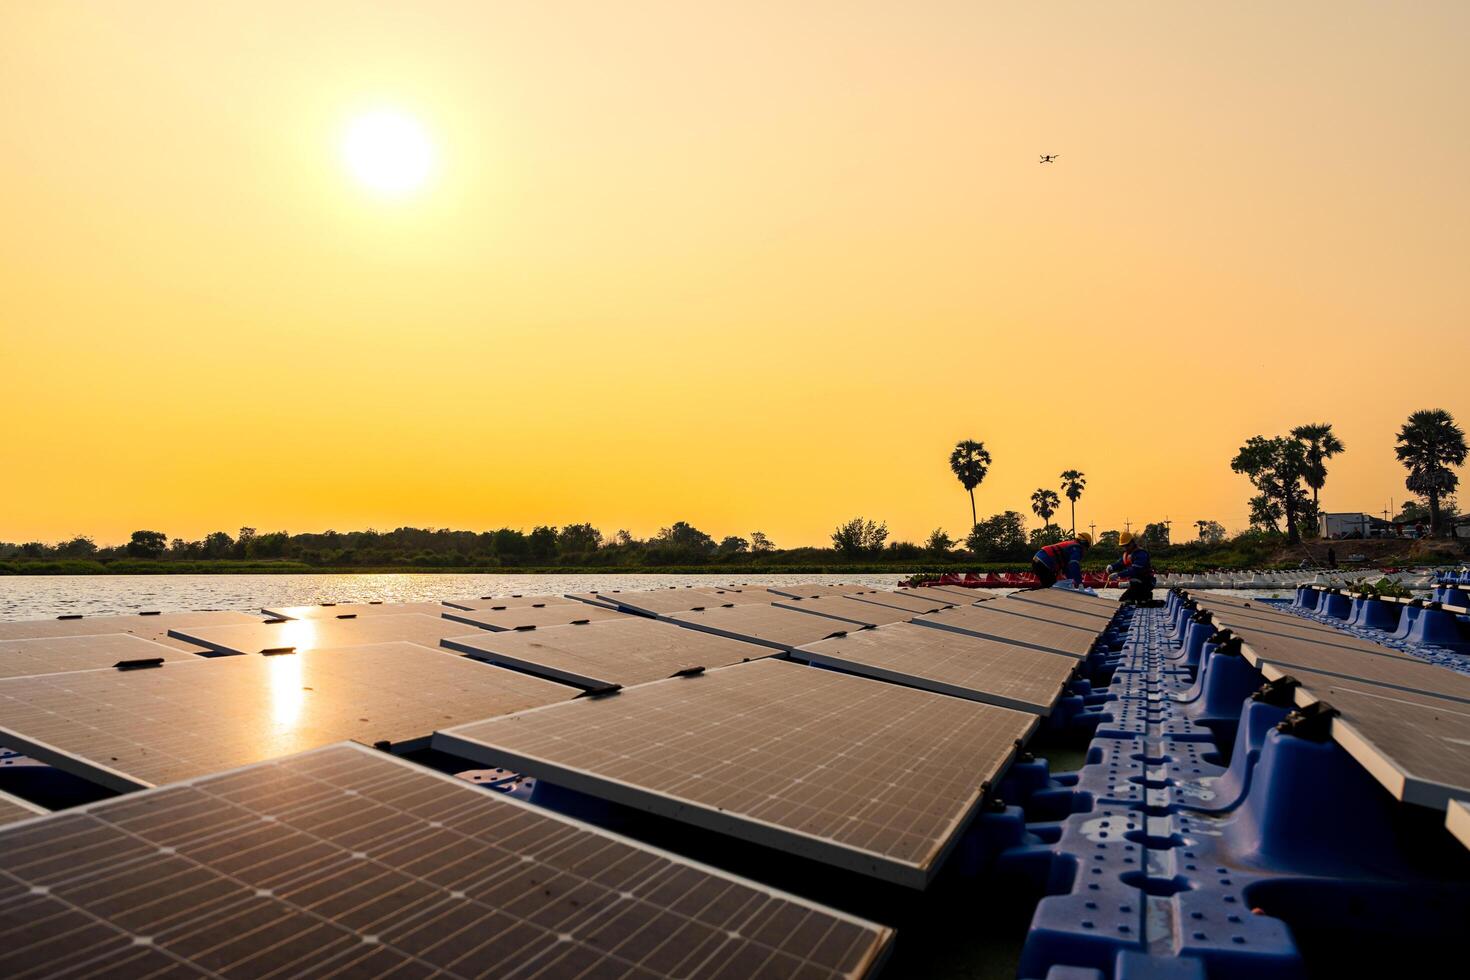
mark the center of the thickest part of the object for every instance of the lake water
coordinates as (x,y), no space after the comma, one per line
(48,596)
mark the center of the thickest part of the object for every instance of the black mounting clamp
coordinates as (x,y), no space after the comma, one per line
(1280,693)
(1313,723)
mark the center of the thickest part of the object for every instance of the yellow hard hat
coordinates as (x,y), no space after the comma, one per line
(1085,538)
(1125,539)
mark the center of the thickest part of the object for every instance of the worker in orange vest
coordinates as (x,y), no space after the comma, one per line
(1136,566)
(1061,560)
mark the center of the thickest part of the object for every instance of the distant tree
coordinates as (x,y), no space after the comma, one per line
(541,542)
(1210,532)
(33,549)
(242,542)
(734,545)
(80,546)
(218,544)
(624,538)
(1000,537)
(904,550)
(939,542)
(859,537)
(1277,468)
(1156,535)
(1265,514)
(1040,537)
(1108,539)
(147,544)
(1430,444)
(1416,512)
(578,539)
(684,540)
(274,544)
(970,462)
(1321,444)
(1073,483)
(510,545)
(1044,503)
(760,544)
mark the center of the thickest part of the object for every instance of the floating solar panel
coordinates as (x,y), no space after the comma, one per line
(984,621)
(1066,599)
(948,597)
(1289,654)
(932,597)
(57,654)
(1416,745)
(1087,622)
(871,777)
(13,808)
(150,626)
(659,602)
(347,862)
(815,590)
(352,610)
(315,634)
(849,610)
(960,592)
(532,617)
(593,599)
(772,626)
(508,602)
(755,593)
(136,728)
(905,601)
(634,650)
(1457,821)
(949,663)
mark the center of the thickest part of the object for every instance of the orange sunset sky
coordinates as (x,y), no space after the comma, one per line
(754,265)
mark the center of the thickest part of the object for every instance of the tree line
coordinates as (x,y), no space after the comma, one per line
(1283,469)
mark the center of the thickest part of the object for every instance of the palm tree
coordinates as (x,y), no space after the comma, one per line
(1073,483)
(1322,444)
(1202,525)
(1045,503)
(970,463)
(1429,444)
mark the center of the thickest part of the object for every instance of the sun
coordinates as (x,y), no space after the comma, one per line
(388,152)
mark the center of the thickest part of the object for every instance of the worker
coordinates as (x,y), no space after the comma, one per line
(1061,560)
(1136,567)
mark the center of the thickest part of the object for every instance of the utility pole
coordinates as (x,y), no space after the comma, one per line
(1127,524)
(1093,528)
(1168,537)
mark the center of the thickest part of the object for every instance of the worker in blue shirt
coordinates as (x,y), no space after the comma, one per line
(1136,567)
(1061,560)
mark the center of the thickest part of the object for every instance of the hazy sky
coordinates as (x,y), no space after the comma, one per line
(753,265)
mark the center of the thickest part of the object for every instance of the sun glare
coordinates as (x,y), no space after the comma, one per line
(388,152)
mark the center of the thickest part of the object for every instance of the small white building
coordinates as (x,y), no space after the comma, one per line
(1350,525)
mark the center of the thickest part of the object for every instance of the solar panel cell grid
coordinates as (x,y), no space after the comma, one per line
(849,609)
(149,627)
(315,634)
(508,602)
(983,620)
(869,776)
(903,600)
(773,626)
(950,663)
(13,808)
(532,617)
(347,862)
(631,651)
(353,610)
(126,729)
(57,654)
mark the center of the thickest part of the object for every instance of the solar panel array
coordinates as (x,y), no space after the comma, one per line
(948,597)
(815,590)
(530,617)
(315,634)
(876,778)
(57,654)
(346,862)
(1406,721)
(150,626)
(508,602)
(985,621)
(949,663)
(772,626)
(630,651)
(658,602)
(906,601)
(126,729)
(352,610)
(849,610)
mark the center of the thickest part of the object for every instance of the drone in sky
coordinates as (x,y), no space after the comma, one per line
(1049,157)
